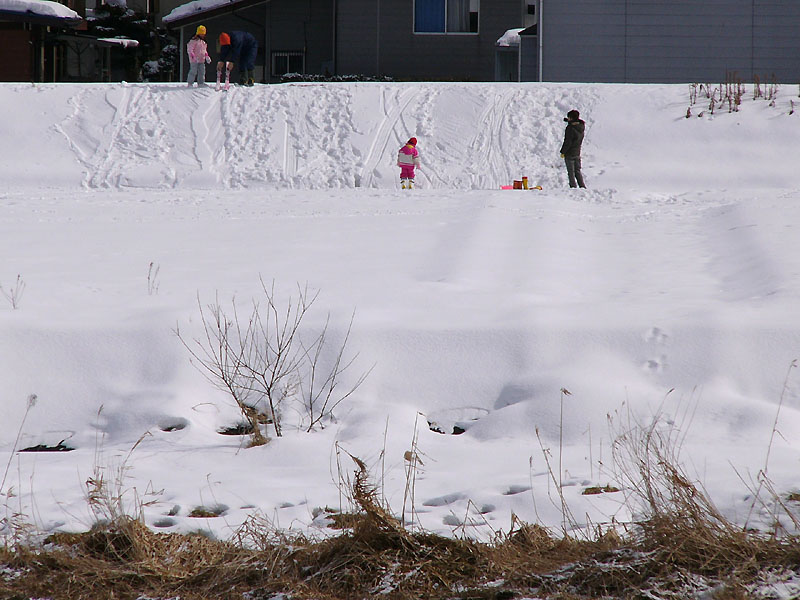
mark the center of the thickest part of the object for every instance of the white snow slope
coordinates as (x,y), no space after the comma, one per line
(670,287)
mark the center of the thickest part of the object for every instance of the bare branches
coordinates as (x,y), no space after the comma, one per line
(319,388)
(267,358)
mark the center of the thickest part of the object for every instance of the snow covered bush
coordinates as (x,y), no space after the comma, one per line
(306,77)
(155,57)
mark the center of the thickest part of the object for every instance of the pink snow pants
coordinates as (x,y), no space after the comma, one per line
(407,172)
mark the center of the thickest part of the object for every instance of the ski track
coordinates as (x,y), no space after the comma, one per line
(135,145)
(482,145)
(101,163)
(424,114)
(199,125)
(77,103)
(380,142)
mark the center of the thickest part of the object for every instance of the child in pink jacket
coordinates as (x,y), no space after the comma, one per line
(407,160)
(197,49)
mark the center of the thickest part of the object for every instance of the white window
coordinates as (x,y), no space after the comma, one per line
(446,16)
(288,62)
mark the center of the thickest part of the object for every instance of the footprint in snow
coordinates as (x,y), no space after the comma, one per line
(656,335)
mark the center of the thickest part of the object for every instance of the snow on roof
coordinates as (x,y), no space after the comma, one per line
(509,38)
(124,42)
(196,6)
(42,8)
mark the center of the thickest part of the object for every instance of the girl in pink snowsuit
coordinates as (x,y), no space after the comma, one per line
(407,160)
(197,49)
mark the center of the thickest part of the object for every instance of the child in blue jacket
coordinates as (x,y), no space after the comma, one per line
(237,47)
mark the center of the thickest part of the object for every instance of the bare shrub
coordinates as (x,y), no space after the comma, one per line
(221,357)
(263,359)
(318,385)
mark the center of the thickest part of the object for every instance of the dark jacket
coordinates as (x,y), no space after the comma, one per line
(573,138)
(241,43)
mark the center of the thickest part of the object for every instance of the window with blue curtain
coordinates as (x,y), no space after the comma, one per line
(429,16)
(446,16)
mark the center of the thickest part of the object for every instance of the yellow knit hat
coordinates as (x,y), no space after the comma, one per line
(201,30)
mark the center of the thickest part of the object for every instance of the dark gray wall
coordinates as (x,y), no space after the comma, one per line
(506,64)
(669,40)
(303,25)
(776,39)
(529,69)
(394,49)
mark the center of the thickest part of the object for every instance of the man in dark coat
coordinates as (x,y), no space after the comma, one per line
(240,48)
(571,148)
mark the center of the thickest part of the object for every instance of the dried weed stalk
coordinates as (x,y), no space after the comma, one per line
(14,293)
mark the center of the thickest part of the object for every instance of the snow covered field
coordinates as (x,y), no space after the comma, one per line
(671,286)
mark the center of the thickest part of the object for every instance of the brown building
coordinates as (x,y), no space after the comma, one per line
(29,45)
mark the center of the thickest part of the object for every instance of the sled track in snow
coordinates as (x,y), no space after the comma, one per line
(203,151)
(134,139)
(488,137)
(380,141)
(101,163)
(428,172)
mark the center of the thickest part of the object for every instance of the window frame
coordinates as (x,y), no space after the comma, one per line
(288,54)
(456,33)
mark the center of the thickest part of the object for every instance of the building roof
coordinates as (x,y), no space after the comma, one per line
(39,12)
(199,10)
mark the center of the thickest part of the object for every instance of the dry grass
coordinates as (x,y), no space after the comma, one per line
(374,556)
(680,540)
(126,560)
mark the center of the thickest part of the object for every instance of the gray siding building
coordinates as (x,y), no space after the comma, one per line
(638,41)
(662,41)
(452,40)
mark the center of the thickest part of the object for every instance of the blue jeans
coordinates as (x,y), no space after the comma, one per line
(574,171)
